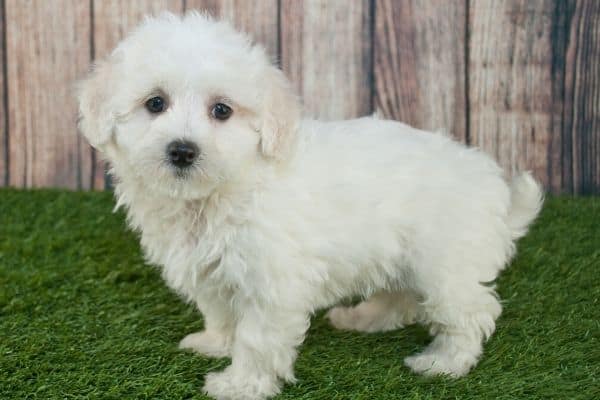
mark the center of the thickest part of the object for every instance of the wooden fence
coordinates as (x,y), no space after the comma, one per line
(518,78)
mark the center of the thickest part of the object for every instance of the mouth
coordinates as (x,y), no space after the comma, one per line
(183,173)
(189,183)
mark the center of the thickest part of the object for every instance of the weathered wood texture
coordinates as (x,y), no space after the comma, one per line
(3,106)
(259,18)
(510,82)
(326,50)
(114,18)
(48,47)
(559,151)
(581,112)
(420,63)
(534,94)
(518,78)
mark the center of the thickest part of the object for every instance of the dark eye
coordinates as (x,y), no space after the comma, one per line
(156,104)
(221,111)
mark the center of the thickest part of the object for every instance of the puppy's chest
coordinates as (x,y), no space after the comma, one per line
(188,252)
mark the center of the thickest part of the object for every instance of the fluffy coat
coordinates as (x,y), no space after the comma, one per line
(282,216)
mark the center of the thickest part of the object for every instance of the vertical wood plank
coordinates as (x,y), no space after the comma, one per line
(112,20)
(511,99)
(3,105)
(420,63)
(582,95)
(327,53)
(559,151)
(259,18)
(48,47)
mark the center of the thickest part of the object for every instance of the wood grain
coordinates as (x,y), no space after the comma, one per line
(112,20)
(559,151)
(510,83)
(518,78)
(3,105)
(420,63)
(582,95)
(48,48)
(259,18)
(327,53)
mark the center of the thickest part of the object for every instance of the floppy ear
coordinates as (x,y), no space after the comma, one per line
(281,115)
(96,120)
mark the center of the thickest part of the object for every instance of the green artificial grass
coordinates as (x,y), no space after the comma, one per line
(82,316)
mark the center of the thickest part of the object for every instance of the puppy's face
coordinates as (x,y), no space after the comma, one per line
(186,105)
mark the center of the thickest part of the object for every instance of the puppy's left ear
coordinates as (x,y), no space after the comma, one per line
(281,116)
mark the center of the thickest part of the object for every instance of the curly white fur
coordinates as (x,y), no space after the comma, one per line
(283,216)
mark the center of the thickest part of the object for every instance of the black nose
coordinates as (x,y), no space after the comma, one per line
(182,154)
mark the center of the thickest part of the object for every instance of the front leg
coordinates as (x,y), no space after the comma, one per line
(219,322)
(263,353)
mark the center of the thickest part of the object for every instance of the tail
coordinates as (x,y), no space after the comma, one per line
(526,198)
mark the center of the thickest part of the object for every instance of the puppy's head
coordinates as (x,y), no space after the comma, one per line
(184,105)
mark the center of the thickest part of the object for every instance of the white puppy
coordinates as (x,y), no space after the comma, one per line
(260,218)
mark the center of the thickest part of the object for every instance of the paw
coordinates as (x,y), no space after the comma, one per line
(432,364)
(236,385)
(209,343)
(344,318)
(362,320)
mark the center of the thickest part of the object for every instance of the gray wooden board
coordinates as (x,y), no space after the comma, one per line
(327,53)
(510,83)
(420,63)
(48,48)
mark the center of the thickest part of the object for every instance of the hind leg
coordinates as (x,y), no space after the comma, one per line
(461,318)
(384,311)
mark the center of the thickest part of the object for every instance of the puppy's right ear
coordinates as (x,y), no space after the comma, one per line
(96,119)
